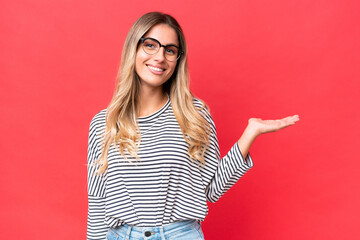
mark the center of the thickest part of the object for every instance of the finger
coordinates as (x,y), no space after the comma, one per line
(294,119)
(287,121)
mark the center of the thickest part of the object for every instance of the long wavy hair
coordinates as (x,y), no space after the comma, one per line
(121,122)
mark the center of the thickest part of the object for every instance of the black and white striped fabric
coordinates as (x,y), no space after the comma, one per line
(164,186)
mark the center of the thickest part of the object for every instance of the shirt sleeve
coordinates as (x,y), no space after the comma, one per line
(96,227)
(219,175)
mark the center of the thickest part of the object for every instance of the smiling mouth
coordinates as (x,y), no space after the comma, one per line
(155,68)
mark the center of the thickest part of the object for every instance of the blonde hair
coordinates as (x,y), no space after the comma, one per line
(121,124)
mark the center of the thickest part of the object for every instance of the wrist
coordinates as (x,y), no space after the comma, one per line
(246,139)
(251,132)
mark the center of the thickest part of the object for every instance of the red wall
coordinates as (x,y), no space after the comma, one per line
(258,58)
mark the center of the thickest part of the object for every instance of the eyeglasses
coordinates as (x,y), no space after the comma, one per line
(151,46)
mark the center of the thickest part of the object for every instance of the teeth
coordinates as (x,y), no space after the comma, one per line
(156,69)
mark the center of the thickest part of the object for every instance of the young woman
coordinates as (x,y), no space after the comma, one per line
(153,155)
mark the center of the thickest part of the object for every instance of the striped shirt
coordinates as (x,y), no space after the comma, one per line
(165,185)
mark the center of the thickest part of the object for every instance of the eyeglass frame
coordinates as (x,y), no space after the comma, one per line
(179,49)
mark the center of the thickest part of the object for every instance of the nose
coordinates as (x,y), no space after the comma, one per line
(160,55)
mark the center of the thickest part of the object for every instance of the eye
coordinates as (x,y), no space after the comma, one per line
(171,50)
(149,45)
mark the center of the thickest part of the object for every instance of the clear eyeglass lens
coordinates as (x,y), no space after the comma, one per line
(151,47)
(171,53)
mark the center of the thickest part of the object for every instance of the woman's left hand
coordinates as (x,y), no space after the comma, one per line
(260,126)
(257,126)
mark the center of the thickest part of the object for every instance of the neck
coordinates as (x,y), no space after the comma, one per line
(150,101)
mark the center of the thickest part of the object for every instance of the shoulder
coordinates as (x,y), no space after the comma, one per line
(200,105)
(198,102)
(98,121)
(203,109)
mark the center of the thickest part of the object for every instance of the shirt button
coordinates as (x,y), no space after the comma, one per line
(147,234)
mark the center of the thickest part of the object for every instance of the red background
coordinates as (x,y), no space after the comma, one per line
(256,58)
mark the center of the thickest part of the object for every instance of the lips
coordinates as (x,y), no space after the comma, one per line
(155,69)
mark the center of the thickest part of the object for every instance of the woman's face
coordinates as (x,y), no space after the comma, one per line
(155,70)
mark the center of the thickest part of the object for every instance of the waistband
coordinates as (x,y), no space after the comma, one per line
(147,232)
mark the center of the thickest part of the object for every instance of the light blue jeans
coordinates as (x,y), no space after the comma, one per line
(182,230)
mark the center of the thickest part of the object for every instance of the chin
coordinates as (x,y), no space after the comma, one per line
(154,84)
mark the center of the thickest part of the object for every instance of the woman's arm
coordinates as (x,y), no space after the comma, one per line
(257,126)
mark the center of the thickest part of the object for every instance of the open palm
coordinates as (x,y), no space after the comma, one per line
(265,126)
